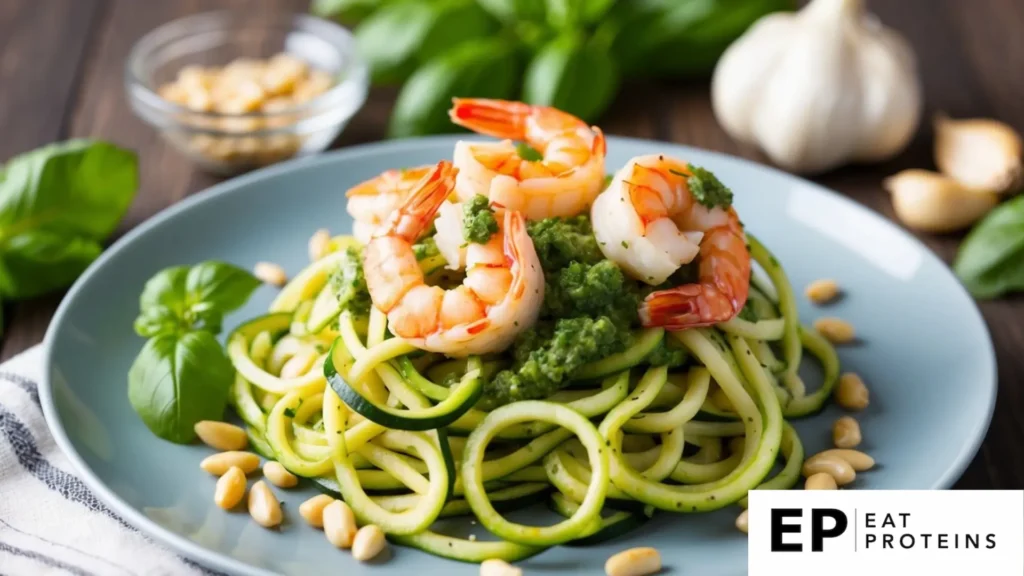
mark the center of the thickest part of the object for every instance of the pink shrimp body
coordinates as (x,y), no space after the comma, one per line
(499,298)
(372,201)
(563,183)
(648,222)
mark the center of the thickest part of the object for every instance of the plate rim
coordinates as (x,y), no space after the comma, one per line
(214,559)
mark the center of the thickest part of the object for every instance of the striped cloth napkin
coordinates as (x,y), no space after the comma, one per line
(50,523)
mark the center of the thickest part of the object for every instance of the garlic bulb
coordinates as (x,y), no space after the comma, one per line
(820,87)
(930,202)
(979,153)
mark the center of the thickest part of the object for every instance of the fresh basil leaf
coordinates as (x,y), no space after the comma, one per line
(564,14)
(482,68)
(219,285)
(455,21)
(79,188)
(38,261)
(990,261)
(157,320)
(389,38)
(514,11)
(195,298)
(668,38)
(570,74)
(178,380)
(166,289)
(398,37)
(57,204)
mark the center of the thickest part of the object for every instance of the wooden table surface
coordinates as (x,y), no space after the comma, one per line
(61,64)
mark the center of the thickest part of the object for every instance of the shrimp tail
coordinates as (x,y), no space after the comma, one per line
(414,217)
(497,118)
(674,308)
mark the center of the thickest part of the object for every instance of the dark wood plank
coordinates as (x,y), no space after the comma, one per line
(42,51)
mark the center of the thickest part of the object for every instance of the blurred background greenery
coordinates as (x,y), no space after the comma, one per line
(570,54)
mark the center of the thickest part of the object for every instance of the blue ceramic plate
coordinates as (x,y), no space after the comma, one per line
(924,352)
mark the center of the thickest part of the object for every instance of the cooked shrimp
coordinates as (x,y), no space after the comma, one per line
(563,183)
(500,297)
(372,201)
(650,224)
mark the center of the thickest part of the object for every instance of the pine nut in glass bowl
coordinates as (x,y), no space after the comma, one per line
(235,91)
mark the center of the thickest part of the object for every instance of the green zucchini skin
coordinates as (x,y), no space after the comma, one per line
(459,401)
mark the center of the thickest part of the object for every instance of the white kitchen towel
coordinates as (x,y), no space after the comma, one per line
(50,523)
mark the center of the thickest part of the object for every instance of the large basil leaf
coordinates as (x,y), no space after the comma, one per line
(672,38)
(990,261)
(57,204)
(570,13)
(512,11)
(578,77)
(398,37)
(37,261)
(178,380)
(484,68)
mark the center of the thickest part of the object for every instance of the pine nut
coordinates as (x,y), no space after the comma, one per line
(279,475)
(221,435)
(743,522)
(270,273)
(633,562)
(298,365)
(851,392)
(219,463)
(263,505)
(855,458)
(339,524)
(230,488)
(821,481)
(319,244)
(369,542)
(822,291)
(498,567)
(835,330)
(839,469)
(312,510)
(846,433)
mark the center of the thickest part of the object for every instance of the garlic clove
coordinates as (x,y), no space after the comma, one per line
(979,153)
(931,202)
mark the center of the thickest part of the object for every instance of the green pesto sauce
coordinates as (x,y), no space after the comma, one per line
(425,248)
(478,222)
(349,283)
(706,188)
(589,312)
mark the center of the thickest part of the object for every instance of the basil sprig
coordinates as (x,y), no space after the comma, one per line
(182,375)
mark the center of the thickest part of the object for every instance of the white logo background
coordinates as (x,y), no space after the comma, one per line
(954,513)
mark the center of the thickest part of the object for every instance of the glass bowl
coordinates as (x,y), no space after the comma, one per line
(230,143)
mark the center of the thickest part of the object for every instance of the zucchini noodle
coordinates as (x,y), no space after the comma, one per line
(401,435)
